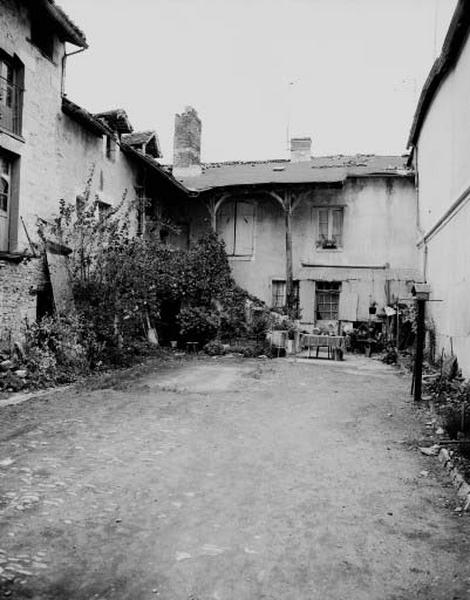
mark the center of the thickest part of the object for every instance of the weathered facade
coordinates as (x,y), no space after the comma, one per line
(50,149)
(343,229)
(440,144)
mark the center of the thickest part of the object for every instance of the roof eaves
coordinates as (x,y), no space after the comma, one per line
(83,117)
(126,148)
(454,42)
(69,31)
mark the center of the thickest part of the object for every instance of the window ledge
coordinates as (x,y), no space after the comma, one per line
(323,250)
(241,258)
(16,136)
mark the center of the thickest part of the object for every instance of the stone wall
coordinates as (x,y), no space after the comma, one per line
(19,284)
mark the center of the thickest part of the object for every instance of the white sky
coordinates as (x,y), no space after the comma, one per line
(357,66)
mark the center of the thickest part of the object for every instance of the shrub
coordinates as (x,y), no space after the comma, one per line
(214,348)
(198,324)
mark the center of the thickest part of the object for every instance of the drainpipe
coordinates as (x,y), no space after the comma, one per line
(64,63)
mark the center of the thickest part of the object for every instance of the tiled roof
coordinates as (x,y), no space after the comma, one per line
(454,42)
(149,139)
(153,164)
(116,119)
(83,117)
(68,31)
(321,169)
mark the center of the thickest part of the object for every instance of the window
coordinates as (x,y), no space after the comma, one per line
(327,300)
(330,228)
(5,201)
(235,225)
(11,74)
(279,293)
(111,147)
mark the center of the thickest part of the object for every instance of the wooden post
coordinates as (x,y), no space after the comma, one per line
(289,267)
(420,333)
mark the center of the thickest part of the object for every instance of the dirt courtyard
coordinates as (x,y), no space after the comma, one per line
(228,480)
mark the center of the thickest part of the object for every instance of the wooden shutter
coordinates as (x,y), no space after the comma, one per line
(337,226)
(225,225)
(348,303)
(307,301)
(245,214)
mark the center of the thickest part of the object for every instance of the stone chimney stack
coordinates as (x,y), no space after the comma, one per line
(187,144)
(300,149)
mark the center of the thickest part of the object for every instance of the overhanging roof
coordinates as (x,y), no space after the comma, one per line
(66,29)
(452,48)
(149,139)
(322,169)
(150,162)
(83,117)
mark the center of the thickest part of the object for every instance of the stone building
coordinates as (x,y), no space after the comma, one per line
(50,148)
(440,153)
(341,228)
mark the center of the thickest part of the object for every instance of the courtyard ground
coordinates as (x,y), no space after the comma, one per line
(228,480)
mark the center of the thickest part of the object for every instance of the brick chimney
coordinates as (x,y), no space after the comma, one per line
(300,149)
(187,144)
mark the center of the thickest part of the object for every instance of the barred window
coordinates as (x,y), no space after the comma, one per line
(327,300)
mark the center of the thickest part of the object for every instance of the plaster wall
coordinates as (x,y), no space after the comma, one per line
(379,243)
(443,164)
(36,146)
(80,155)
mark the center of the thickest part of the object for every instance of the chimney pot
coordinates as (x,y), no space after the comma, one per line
(300,149)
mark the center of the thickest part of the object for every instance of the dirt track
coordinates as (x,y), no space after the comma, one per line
(228,480)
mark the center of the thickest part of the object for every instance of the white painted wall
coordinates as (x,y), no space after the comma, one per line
(443,163)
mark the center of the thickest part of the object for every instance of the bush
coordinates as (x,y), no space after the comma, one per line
(58,348)
(198,324)
(214,348)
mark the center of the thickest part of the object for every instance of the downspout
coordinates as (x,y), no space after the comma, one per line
(64,63)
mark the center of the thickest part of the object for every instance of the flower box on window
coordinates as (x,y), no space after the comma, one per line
(327,244)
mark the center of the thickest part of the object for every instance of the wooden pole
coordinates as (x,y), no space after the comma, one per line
(289,267)
(420,333)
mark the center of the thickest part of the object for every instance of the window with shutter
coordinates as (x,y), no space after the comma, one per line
(235,226)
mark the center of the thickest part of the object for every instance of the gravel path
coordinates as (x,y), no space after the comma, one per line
(228,480)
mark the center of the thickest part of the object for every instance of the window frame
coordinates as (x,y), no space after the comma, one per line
(12,216)
(16,88)
(330,242)
(329,292)
(283,295)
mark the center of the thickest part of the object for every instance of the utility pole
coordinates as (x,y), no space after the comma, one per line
(421,292)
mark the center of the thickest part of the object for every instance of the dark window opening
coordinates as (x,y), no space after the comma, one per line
(111,148)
